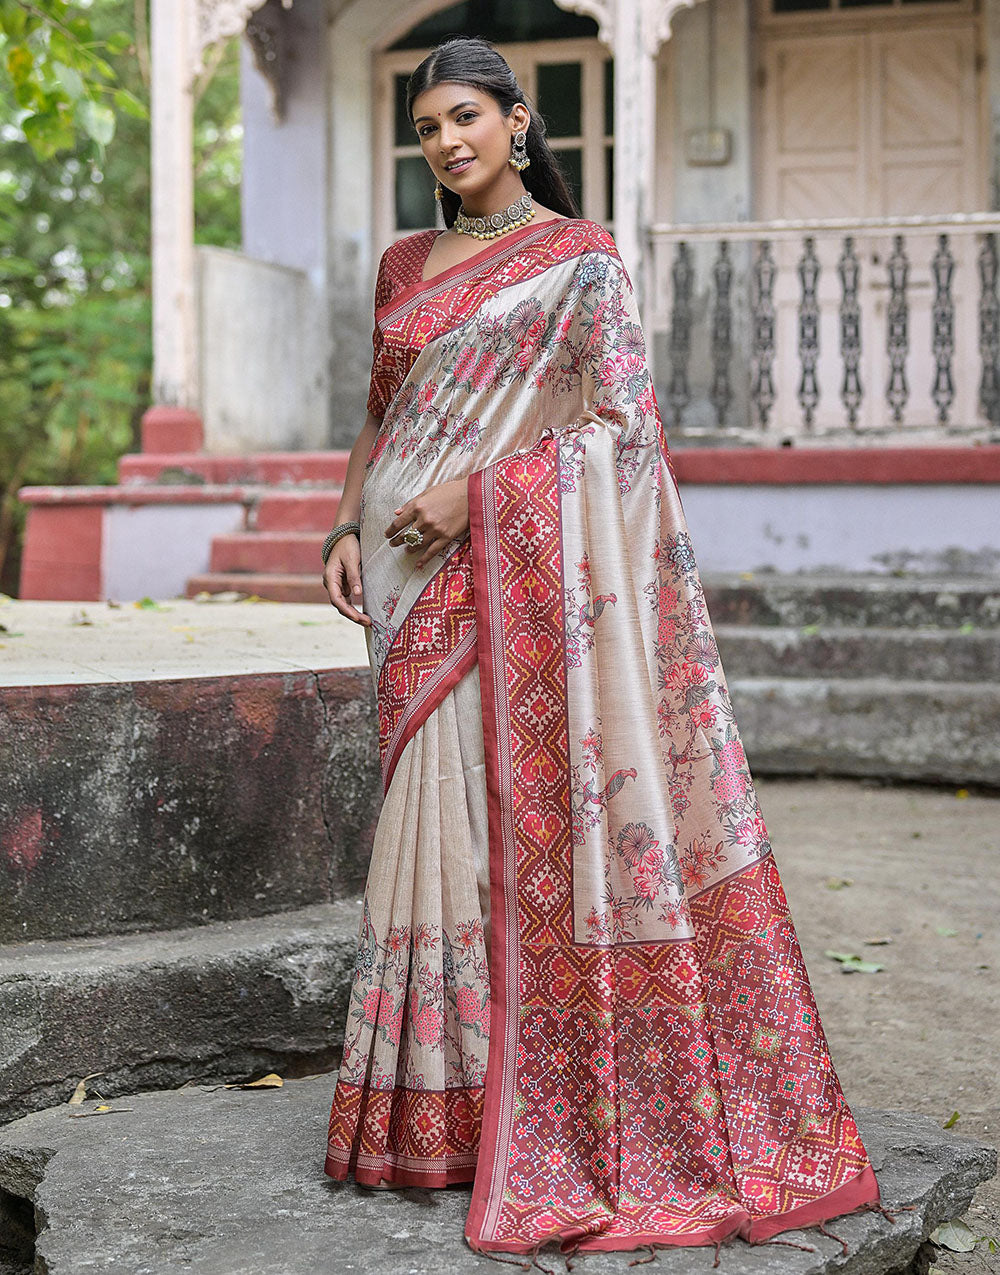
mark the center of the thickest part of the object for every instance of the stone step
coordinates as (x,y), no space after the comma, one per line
(937,732)
(276,586)
(940,655)
(320,468)
(854,601)
(154,1010)
(230,1181)
(268,552)
(296,510)
(143,805)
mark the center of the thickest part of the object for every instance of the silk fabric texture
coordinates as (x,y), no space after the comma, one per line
(578,985)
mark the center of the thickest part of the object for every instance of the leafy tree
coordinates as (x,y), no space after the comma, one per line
(75,268)
(60,74)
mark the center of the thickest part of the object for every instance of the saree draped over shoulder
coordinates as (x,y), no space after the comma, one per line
(578,984)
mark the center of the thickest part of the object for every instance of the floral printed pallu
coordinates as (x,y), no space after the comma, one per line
(578,983)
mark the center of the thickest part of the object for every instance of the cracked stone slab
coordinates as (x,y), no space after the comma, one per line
(154,1010)
(230,1182)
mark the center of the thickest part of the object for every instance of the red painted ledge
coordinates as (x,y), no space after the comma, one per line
(790,465)
(165,494)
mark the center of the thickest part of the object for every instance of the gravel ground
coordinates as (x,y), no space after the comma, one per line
(923,1033)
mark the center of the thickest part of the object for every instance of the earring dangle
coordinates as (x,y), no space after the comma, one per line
(519,155)
(439,191)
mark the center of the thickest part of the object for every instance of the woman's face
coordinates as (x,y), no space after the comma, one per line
(456,122)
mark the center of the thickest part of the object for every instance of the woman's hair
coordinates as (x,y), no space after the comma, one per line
(473,60)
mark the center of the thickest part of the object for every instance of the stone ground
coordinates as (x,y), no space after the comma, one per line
(924,1033)
(921,1036)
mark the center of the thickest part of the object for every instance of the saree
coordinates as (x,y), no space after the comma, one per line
(578,984)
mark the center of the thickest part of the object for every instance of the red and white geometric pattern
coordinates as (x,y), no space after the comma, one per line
(434,648)
(650,1092)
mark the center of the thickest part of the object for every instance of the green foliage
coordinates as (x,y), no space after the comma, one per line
(75,252)
(60,76)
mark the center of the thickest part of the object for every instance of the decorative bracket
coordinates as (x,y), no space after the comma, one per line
(215,20)
(655,17)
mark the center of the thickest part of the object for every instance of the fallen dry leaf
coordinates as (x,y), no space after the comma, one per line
(270,1081)
(80,1092)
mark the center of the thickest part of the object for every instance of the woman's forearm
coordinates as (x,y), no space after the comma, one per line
(350,500)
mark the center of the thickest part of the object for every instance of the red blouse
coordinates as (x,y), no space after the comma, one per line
(401,265)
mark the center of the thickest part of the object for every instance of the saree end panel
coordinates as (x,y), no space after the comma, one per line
(654,1077)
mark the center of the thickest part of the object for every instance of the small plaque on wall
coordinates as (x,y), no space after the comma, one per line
(708,146)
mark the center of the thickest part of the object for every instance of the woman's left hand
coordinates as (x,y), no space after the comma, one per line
(441,513)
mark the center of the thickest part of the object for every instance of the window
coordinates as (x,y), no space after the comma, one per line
(569,82)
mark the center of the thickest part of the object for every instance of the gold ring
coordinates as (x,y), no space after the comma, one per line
(413,535)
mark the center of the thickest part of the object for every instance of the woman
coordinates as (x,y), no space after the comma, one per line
(578,984)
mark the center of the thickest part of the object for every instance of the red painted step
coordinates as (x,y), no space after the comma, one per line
(298,510)
(288,552)
(279,588)
(321,468)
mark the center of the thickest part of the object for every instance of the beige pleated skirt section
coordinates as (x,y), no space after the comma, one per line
(408,1101)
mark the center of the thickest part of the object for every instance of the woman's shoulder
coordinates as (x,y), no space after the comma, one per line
(409,248)
(589,236)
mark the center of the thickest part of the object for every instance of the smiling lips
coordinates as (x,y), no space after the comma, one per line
(459,165)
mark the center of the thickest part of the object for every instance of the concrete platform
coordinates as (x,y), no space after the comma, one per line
(230,1182)
(48,643)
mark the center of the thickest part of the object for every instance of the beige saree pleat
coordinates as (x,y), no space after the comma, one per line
(408,1101)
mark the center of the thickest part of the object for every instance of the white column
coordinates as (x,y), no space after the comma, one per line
(635,138)
(634,31)
(175,346)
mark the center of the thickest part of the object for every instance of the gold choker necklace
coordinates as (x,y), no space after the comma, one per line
(489,227)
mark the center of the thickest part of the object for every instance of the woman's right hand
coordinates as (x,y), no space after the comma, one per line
(342,578)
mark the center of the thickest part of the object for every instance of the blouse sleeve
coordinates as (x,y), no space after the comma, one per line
(377,397)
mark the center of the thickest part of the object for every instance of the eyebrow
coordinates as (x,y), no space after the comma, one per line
(421,118)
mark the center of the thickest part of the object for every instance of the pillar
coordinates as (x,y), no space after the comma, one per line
(175,346)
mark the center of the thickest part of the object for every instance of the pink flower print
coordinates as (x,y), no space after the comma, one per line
(666,629)
(563,327)
(399,938)
(732,756)
(427,1022)
(696,860)
(485,372)
(611,372)
(524,358)
(369,1006)
(647,888)
(751,831)
(425,395)
(471,1010)
(731,785)
(465,362)
(639,848)
(677,914)
(703,714)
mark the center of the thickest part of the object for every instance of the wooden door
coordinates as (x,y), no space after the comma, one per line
(883,121)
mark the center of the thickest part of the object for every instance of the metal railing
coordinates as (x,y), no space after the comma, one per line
(873,329)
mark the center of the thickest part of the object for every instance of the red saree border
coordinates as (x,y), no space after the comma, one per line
(433,650)
(412,1137)
(471,266)
(489,570)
